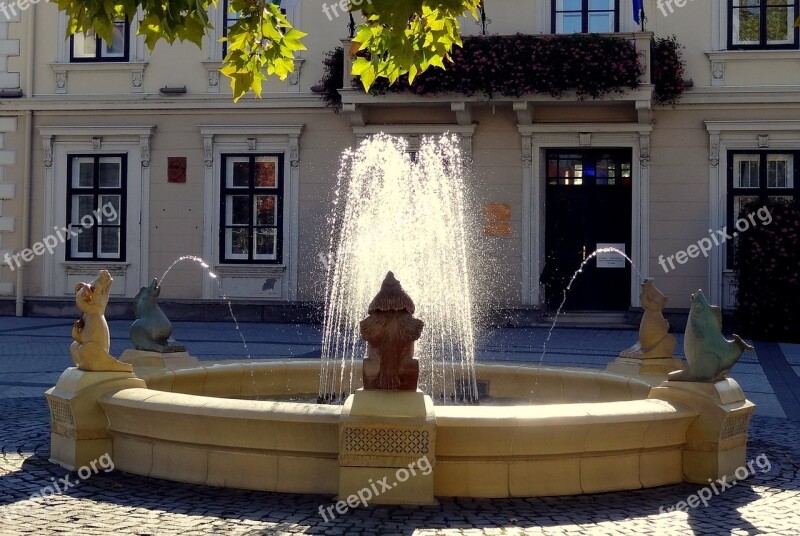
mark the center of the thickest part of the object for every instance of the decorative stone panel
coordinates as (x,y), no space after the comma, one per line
(61,413)
(396,441)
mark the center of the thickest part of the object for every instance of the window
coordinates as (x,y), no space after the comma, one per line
(591,168)
(229,18)
(759,176)
(762,24)
(89,47)
(585,16)
(95,203)
(251,209)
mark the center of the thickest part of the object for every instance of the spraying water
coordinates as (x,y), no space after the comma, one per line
(578,272)
(204,265)
(395,213)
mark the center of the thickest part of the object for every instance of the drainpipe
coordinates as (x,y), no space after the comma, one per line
(28,163)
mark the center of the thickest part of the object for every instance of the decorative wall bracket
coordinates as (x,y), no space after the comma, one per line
(713,148)
(208,150)
(358,116)
(527,151)
(47,146)
(717,72)
(137,81)
(294,77)
(144,148)
(524,112)
(644,112)
(61,82)
(644,150)
(294,151)
(463,113)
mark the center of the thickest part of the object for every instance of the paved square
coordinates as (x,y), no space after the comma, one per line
(33,353)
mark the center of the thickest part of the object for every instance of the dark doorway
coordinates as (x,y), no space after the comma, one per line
(588,202)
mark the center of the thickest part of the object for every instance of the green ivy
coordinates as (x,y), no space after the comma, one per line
(512,66)
(668,70)
(332,78)
(768,274)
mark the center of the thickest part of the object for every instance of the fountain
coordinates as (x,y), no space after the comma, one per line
(408,215)
(227,423)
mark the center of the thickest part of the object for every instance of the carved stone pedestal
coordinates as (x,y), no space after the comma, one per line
(716,441)
(169,361)
(77,423)
(383,435)
(652,370)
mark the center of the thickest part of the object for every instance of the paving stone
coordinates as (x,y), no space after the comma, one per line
(33,353)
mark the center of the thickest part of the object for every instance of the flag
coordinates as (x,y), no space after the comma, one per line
(638,7)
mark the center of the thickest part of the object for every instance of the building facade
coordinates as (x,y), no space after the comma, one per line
(152,148)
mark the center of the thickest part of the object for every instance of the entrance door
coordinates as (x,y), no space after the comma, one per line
(588,205)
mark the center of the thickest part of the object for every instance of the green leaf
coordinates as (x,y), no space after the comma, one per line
(368,78)
(399,36)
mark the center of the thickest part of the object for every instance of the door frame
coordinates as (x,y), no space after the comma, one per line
(536,139)
(585,203)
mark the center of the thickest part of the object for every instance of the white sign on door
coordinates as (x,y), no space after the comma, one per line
(611,259)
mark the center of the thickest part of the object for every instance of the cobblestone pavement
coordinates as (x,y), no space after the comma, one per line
(120,504)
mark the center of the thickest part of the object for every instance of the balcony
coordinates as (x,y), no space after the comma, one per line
(526,71)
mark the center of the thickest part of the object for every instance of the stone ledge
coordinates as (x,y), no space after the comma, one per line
(182,310)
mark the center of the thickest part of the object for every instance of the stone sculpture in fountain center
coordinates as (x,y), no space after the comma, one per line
(390,331)
(389,423)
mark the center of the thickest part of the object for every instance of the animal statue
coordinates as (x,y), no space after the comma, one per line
(709,354)
(390,331)
(152,329)
(654,338)
(91,340)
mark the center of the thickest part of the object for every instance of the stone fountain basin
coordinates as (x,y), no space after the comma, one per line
(589,431)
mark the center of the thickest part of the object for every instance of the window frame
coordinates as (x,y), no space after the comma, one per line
(762,32)
(99,58)
(584,16)
(96,191)
(762,192)
(252,191)
(226,19)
